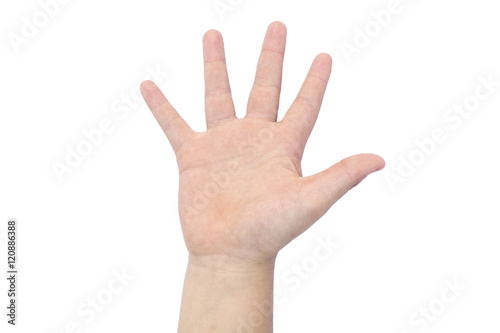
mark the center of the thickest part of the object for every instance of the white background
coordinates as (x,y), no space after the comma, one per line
(118,208)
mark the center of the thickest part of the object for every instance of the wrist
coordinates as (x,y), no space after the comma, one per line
(226,294)
(230,264)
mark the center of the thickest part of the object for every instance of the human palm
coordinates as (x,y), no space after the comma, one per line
(242,194)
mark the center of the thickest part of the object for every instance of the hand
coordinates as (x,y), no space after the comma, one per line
(242,195)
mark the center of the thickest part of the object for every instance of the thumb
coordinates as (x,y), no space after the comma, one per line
(320,191)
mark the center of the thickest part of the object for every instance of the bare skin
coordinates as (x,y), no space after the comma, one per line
(242,195)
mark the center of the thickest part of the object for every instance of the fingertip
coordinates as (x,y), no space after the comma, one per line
(381,163)
(213,46)
(377,162)
(278,27)
(322,66)
(147,86)
(324,58)
(358,167)
(212,35)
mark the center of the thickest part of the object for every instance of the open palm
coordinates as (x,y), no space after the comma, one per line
(242,193)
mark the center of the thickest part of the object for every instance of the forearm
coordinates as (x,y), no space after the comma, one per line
(222,295)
